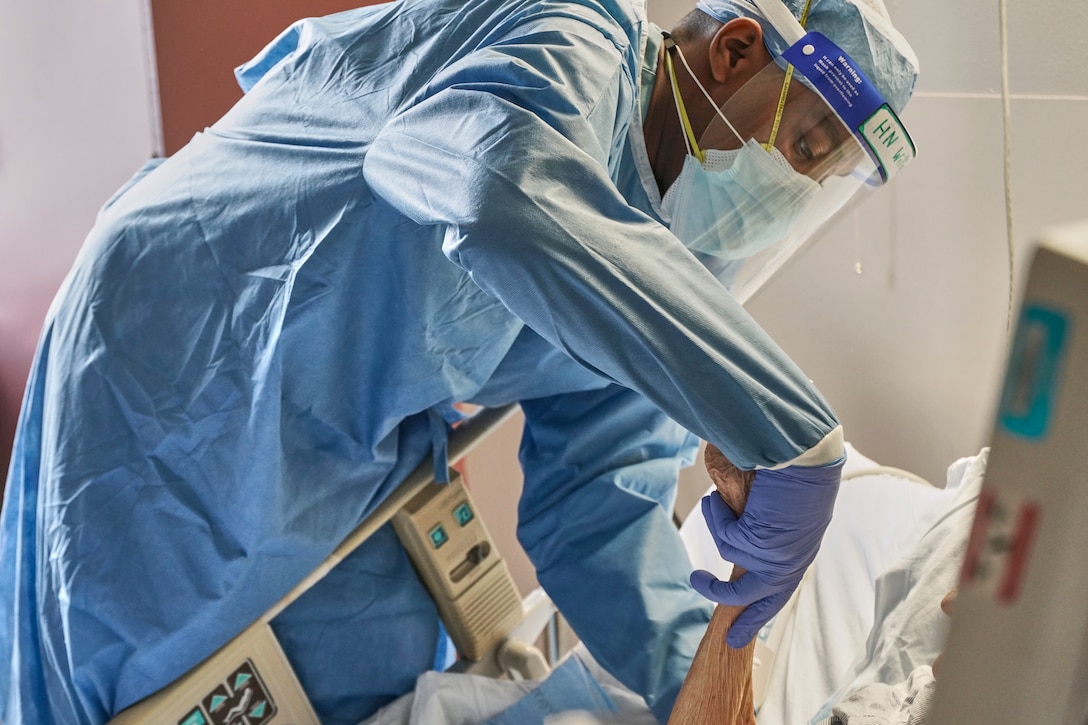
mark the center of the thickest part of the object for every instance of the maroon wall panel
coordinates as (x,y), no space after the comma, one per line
(199,43)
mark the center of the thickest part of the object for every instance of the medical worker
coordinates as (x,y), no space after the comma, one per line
(417,204)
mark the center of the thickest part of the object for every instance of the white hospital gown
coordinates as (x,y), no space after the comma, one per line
(904,703)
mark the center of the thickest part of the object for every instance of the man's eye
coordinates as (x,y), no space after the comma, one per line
(804,150)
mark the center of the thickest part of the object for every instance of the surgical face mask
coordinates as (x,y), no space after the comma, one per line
(731,203)
(737,202)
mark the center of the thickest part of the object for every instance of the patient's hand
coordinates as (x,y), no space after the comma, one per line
(732,483)
(947,604)
(718,688)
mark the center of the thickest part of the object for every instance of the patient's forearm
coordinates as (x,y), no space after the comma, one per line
(718,688)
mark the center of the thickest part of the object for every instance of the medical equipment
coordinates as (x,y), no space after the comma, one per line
(1018,648)
(250,682)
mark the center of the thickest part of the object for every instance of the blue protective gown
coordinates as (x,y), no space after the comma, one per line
(414,204)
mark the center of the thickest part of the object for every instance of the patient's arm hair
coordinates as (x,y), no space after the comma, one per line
(718,688)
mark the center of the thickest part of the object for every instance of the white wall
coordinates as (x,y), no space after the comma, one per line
(75,123)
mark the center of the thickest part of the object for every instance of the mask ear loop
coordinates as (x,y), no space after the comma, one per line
(710,100)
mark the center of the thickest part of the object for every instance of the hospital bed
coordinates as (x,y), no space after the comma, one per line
(249,681)
(803,656)
(514,650)
(866,618)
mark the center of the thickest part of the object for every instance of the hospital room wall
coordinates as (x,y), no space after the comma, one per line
(87,95)
(75,122)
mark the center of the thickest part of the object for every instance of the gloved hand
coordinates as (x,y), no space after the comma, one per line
(774,540)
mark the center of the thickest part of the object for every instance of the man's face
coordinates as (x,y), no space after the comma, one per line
(808,134)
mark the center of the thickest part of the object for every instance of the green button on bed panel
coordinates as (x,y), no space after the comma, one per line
(438,536)
(463,514)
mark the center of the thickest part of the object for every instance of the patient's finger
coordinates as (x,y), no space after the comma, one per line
(732,483)
(948,603)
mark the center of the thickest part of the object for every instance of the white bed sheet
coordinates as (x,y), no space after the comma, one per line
(444,698)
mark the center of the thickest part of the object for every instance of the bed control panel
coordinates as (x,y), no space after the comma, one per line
(247,682)
(450,547)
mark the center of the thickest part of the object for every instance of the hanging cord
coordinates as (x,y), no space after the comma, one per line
(856,216)
(1006,116)
(692,144)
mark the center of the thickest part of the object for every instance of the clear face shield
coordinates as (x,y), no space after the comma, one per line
(780,158)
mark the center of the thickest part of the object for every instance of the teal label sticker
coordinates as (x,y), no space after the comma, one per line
(1033,378)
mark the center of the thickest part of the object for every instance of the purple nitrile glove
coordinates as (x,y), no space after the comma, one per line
(774,540)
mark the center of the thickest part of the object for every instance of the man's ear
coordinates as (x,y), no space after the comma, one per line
(737,47)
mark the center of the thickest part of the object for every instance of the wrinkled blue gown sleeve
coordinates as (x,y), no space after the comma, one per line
(600,473)
(510,152)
